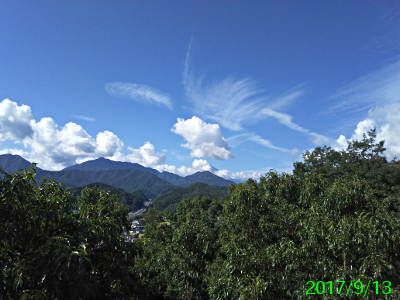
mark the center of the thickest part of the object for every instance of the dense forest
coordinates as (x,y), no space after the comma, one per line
(169,200)
(133,200)
(335,219)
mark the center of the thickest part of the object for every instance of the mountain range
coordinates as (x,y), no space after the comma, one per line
(127,176)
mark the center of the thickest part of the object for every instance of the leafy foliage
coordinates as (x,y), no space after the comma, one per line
(49,251)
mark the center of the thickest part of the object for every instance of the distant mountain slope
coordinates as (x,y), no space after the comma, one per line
(10,162)
(206,177)
(107,164)
(127,176)
(169,200)
(126,179)
(134,200)
(170,177)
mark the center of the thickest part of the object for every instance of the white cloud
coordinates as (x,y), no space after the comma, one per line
(84,118)
(242,175)
(287,99)
(107,143)
(187,77)
(145,156)
(60,147)
(55,147)
(230,102)
(203,139)
(138,92)
(286,120)
(377,88)
(389,128)
(198,165)
(386,120)
(362,128)
(266,143)
(201,165)
(14,121)
(240,138)
(51,146)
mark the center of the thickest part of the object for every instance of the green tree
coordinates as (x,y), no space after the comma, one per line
(280,233)
(364,159)
(174,258)
(48,250)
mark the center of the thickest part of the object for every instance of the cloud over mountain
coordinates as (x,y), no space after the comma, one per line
(203,139)
(145,156)
(55,147)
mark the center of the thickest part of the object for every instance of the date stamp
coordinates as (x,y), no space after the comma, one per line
(357,287)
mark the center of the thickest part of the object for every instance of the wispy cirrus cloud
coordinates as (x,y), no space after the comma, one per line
(286,120)
(241,138)
(379,88)
(232,103)
(138,92)
(84,118)
(286,99)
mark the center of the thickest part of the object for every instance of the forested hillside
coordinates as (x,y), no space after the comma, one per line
(126,179)
(133,200)
(334,222)
(169,200)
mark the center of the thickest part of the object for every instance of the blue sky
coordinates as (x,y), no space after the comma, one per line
(233,87)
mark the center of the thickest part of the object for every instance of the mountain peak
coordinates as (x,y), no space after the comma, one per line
(103,163)
(11,162)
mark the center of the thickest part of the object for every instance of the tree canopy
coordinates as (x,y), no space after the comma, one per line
(50,250)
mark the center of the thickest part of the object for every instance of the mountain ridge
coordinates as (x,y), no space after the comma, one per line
(127,176)
(107,164)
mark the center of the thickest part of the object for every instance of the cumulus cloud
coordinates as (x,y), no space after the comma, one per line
(107,143)
(55,147)
(14,121)
(203,139)
(386,120)
(50,145)
(145,156)
(242,175)
(139,92)
(64,146)
(198,165)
